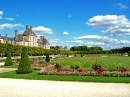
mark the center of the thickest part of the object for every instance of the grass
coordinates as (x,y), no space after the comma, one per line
(106,62)
(35,76)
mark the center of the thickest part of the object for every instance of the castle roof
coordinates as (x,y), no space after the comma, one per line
(27,32)
(44,41)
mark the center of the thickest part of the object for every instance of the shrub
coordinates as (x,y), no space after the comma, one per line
(24,66)
(47,57)
(76,65)
(8,61)
(96,66)
(57,65)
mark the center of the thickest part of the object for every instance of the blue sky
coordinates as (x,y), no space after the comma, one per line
(104,23)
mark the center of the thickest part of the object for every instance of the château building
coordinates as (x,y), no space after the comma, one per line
(28,38)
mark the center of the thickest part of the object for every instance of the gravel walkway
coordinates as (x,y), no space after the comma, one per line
(42,88)
(6,69)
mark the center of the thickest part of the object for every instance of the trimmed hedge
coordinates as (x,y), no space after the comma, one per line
(8,61)
(24,66)
(47,57)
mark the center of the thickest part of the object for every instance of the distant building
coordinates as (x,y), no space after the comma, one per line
(28,38)
(42,42)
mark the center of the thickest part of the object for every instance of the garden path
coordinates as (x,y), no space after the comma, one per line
(44,88)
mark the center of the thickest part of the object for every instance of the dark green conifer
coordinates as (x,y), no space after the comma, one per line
(47,57)
(24,66)
(8,61)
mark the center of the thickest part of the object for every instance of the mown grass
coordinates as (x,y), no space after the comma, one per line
(105,62)
(35,76)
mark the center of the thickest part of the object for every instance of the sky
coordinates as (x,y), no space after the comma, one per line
(104,23)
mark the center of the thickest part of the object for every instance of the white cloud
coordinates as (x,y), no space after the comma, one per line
(10,26)
(10,19)
(103,39)
(91,43)
(122,6)
(1,13)
(76,41)
(124,42)
(40,30)
(69,16)
(115,25)
(65,33)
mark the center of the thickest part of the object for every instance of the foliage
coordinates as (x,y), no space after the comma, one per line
(85,48)
(8,61)
(96,66)
(24,66)
(76,65)
(47,57)
(57,65)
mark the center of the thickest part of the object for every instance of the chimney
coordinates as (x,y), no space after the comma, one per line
(6,36)
(38,41)
(16,35)
(41,38)
(31,27)
(26,27)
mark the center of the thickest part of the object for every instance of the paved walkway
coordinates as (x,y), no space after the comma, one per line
(42,88)
(5,69)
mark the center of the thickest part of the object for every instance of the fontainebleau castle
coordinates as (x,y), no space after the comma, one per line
(28,38)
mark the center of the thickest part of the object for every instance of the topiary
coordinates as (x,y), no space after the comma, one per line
(8,61)
(24,66)
(47,57)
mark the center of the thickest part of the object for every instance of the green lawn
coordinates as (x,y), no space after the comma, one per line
(105,62)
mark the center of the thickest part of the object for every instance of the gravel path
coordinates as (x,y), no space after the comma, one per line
(42,88)
(6,69)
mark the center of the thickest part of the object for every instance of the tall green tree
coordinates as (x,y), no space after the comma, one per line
(24,66)
(47,57)
(8,61)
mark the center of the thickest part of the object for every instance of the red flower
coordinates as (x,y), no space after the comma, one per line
(124,70)
(80,70)
(60,70)
(100,70)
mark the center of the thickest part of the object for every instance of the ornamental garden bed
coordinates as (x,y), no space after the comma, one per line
(77,70)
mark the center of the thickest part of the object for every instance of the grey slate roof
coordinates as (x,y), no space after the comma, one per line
(27,32)
(44,41)
(20,37)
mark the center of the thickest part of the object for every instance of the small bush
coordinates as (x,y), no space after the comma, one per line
(96,66)
(57,65)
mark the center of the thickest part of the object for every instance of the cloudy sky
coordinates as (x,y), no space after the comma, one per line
(104,23)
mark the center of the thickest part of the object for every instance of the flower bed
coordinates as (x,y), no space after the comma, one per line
(87,73)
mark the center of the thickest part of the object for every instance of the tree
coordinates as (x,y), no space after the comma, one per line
(8,61)
(24,66)
(47,57)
